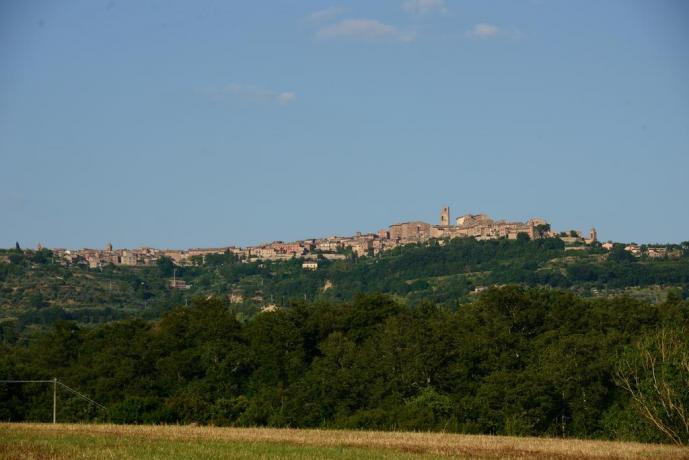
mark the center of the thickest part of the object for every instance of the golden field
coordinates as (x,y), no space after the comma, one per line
(70,441)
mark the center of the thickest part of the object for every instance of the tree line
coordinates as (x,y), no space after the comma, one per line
(515,361)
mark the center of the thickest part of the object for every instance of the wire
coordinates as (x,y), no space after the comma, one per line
(82,395)
(56,381)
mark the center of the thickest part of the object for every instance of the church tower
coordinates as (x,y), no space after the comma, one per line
(445,216)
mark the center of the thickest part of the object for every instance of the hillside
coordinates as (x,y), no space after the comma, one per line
(36,289)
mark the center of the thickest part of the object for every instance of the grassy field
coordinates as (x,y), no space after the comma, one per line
(44,441)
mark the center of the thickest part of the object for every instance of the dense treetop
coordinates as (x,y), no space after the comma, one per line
(513,361)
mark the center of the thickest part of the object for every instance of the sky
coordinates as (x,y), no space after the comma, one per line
(179,124)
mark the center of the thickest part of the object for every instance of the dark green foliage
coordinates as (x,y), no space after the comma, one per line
(618,254)
(35,300)
(135,410)
(515,361)
(165,266)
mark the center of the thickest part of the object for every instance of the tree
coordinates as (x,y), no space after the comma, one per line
(619,254)
(165,266)
(655,373)
(542,229)
(36,300)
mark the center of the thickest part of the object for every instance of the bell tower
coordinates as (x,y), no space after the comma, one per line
(445,216)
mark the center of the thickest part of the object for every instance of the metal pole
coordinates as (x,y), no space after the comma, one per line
(55,400)
(55,383)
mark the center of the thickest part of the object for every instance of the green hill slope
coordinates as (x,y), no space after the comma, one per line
(35,289)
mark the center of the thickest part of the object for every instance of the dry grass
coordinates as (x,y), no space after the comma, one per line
(404,444)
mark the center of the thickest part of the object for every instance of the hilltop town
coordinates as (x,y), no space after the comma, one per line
(448,261)
(479,226)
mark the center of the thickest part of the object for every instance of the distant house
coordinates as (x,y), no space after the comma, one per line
(634,249)
(658,252)
(310,265)
(334,256)
(178,284)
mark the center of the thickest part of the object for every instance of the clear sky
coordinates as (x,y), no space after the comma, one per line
(207,123)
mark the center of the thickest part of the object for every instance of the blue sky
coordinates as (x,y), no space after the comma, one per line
(199,123)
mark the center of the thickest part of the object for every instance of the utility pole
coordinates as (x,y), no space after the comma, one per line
(55,382)
(55,400)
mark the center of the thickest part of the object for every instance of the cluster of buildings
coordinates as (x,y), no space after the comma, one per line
(654,252)
(97,258)
(479,226)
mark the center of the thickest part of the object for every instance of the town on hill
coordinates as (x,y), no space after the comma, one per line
(478,226)
(414,261)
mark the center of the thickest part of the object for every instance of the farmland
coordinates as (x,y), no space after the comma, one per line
(62,441)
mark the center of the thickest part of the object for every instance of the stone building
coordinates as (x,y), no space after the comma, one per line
(593,236)
(468,220)
(128,258)
(410,231)
(445,216)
